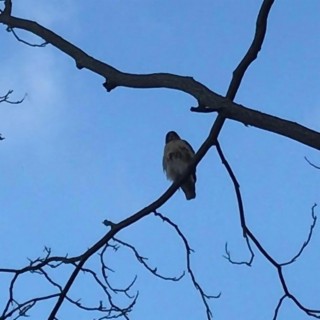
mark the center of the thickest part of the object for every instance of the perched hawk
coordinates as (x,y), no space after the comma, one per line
(177,155)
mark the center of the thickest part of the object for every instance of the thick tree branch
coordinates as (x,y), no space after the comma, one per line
(207,99)
(252,53)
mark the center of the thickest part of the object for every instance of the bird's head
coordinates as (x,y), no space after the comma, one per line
(172,135)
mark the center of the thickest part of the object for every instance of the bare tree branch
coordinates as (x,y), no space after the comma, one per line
(311,164)
(7,7)
(252,53)
(41,45)
(247,263)
(279,268)
(249,235)
(141,259)
(207,99)
(203,295)
(305,244)
(240,207)
(24,307)
(276,311)
(113,311)
(6,99)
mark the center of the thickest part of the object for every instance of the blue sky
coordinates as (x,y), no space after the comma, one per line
(75,155)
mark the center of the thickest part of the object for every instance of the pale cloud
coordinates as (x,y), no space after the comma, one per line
(50,13)
(32,72)
(36,72)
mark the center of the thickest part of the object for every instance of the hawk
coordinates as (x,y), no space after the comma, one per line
(177,155)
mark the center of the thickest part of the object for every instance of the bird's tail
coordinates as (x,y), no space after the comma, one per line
(189,189)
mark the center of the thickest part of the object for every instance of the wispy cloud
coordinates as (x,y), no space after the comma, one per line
(34,72)
(50,13)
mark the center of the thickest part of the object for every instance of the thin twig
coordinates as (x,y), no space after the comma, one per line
(203,295)
(311,164)
(6,99)
(306,242)
(141,259)
(41,45)
(276,311)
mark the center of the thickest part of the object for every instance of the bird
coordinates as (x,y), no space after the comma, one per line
(177,156)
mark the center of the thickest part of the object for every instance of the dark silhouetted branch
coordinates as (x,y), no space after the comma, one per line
(203,295)
(240,207)
(229,258)
(142,260)
(250,236)
(15,309)
(24,307)
(311,164)
(206,98)
(277,309)
(6,98)
(41,45)
(252,53)
(305,244)
(311,312)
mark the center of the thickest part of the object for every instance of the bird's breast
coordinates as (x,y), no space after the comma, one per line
(173,155)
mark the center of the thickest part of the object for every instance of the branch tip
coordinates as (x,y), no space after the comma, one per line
(109,85)
(108,223)
(79,65)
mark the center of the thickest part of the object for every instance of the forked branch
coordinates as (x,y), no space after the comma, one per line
(206,98)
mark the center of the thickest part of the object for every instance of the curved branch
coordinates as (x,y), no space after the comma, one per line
(5,98)
(276,311)
(141,259)
(311,164)
(306,242)
(41,45)
(248,235)
(252,53)
(311,312)
(25,306)
(240,207)
(203,295)
(207,99)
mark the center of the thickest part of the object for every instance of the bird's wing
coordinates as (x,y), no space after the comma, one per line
(191,153)
(189,145)
(164,160)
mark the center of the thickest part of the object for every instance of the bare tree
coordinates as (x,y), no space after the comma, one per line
(208,102)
